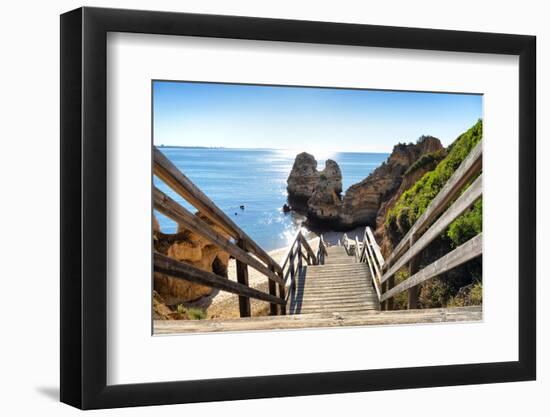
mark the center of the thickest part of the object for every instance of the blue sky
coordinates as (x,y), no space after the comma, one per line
(302,118)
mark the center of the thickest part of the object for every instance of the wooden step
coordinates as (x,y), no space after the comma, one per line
(332,271)
(335,275)
(327,290)
(342,293)
(335,286)
(336,268)
(341,284)
(336,306)
(339,261)
(324,297)
(335,310)
(330,279)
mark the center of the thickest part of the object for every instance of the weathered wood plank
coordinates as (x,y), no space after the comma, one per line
(333,269)
(358,285)
(465,201)
(242,278)
(337,267)
(345,277)
(180,270)
(173,177)
(373,276)
(339,304)
(375,246)
(340,296)
(365,283)
(272,287)
(301,321)
(306,245)
(347,271)
(413,292)
(465,172)
(465,252)
(289,253)
(371,255)
(180,215)
(282,296)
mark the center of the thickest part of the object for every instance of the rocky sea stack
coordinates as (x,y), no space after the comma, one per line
(308,188)
(318,194)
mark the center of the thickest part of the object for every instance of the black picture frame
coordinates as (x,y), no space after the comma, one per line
(84,207)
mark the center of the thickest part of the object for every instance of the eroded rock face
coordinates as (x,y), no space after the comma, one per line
(302,180)
(318,194)
(363,200)
(409,179)
(314,192)
(326,201)
(188,247)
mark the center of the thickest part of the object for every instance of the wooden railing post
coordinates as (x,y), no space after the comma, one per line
(391,284)
(412,300)
(272,291)
(299,253)
(242,278)
(282,297)
(292,272)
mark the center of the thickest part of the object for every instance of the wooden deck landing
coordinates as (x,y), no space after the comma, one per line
(303,321)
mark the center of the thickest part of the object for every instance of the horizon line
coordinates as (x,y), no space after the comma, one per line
(264,149)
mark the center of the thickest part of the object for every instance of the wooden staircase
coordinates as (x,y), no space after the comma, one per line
(340,285)
(350,284)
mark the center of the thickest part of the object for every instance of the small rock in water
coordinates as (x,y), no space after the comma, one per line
(286,208)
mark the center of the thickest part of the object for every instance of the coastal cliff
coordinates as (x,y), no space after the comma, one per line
(318,194)
(186,246)
(462,285)
(362,201)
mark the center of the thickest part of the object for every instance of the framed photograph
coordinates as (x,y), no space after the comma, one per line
(258,208)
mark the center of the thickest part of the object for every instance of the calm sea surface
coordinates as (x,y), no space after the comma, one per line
(255,178)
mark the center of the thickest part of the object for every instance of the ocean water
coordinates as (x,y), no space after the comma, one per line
(256,179)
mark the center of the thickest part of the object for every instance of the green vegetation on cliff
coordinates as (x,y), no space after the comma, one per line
(461,286)
(416,199)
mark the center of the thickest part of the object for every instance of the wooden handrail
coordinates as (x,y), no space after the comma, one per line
(369,236)
(370,254)
(173,177)
(465,252)
(166,265)
(287,257)
(180,215)
(435,219)
(321,251)
(308,249)
(467,170)
(300,249)
(465,201)
(371,262)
